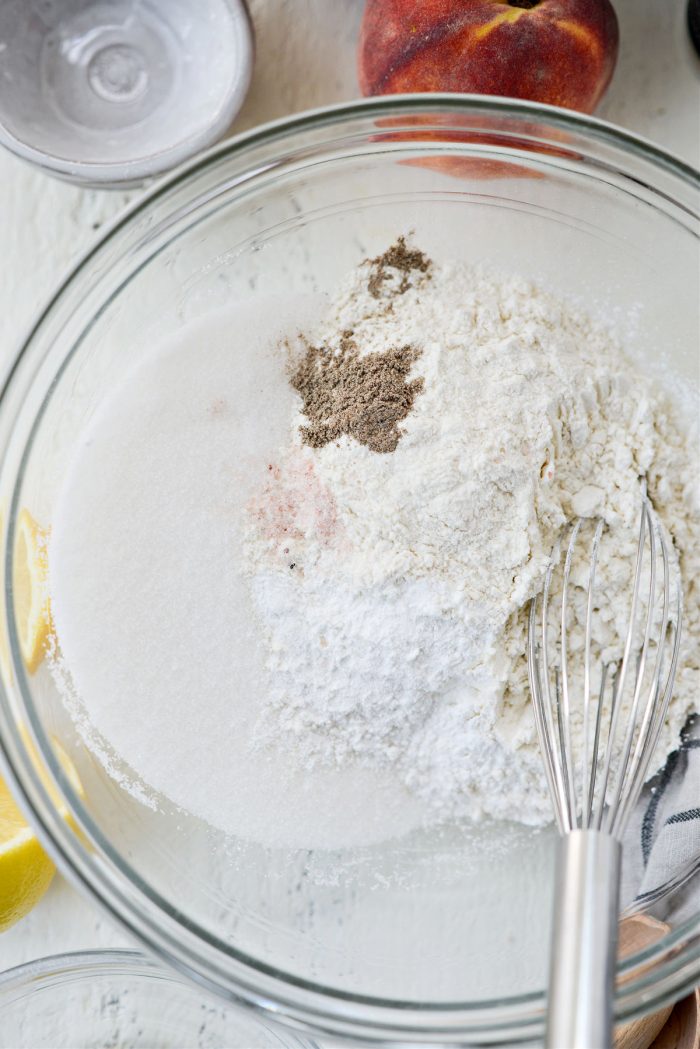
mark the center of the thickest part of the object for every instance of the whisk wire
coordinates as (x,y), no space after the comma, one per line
(547,725)
(621,677)
(598,790)
(618,809)
(587,812)
(648,528)
(657,701)
(598,802)
(564,707)
(564,757)
(544,730)
(539,706)
(588,781)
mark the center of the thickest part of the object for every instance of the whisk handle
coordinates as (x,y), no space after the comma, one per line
(584,942)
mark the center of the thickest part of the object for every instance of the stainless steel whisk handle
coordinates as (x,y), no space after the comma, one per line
(584,941)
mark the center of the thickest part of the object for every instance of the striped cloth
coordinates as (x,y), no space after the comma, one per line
(662,845)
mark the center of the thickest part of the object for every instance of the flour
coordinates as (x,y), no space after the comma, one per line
(392,590)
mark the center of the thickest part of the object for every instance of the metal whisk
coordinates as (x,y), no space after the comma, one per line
(593,800)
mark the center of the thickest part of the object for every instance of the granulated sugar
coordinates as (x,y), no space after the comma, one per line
(158,658)
(306,626)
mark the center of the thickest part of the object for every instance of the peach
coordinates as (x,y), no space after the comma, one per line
(562,52)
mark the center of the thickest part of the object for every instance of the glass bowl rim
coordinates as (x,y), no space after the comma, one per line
(121,960)
(194,951)
(33,977)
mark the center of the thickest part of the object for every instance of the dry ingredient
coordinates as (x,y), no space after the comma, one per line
(364,396)
(398,640)
(322,603)
(398,261)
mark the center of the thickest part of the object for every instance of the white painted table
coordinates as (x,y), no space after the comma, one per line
(305,58)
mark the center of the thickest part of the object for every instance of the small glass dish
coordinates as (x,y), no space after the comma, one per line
(109,94)
(91,999)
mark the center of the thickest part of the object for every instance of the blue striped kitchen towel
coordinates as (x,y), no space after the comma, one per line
(663,843)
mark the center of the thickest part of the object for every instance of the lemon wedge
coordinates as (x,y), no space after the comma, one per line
(30,582)
(25,869)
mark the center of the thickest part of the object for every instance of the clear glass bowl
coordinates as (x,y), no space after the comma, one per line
(436,936)
(93,999)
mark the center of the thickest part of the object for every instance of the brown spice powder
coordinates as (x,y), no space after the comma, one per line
(398,257)
(365,397)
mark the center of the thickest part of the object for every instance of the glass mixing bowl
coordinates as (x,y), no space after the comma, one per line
(93,999)
(431,937)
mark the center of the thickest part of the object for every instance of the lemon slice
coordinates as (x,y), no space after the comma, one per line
(25,869)
(32,610)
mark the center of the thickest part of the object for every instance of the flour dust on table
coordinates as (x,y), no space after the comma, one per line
(292,560)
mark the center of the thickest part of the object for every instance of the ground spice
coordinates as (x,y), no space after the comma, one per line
(363,396)
(398,257)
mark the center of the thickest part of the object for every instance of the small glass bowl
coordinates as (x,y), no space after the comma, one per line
(111,93)
(93,999)
(430,937)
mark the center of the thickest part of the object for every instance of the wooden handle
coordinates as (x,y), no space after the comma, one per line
(639,932)
(635,934)
(643,1033)
(683,1028)
(670,1028)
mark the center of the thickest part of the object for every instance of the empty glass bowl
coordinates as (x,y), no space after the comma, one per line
(94,999)
(110,92)
(435,936)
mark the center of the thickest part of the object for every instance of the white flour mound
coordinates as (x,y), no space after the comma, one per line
(390,588)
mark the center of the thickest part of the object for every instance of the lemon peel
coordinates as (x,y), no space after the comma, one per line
(25,869)
(30,585)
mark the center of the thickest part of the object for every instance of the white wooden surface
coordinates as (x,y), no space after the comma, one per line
(305,58)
